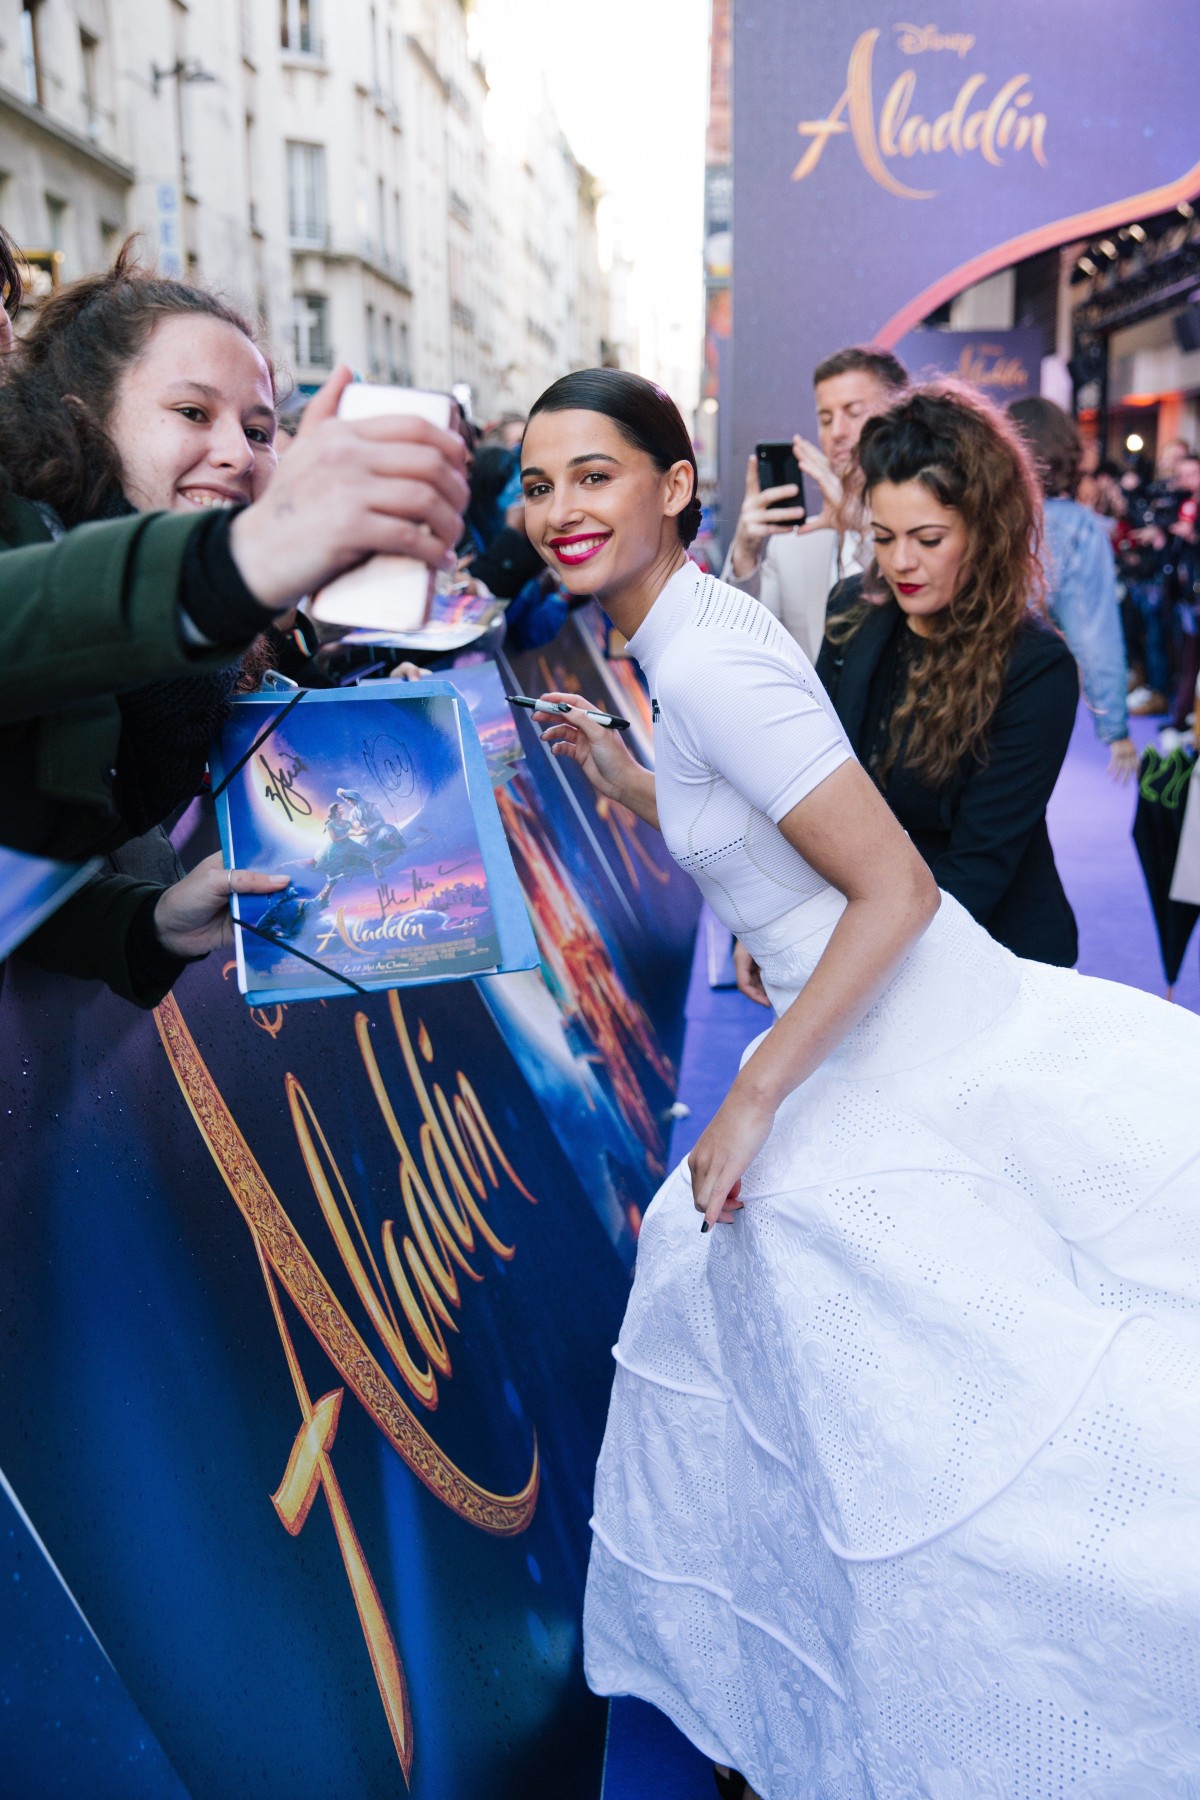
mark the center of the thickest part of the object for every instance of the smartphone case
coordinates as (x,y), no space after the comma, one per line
(386,593)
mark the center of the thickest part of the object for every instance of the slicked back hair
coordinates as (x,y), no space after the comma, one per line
(863,359)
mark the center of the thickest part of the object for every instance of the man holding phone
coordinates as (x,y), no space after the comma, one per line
(786,557)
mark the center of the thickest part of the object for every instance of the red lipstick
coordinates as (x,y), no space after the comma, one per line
(580,547)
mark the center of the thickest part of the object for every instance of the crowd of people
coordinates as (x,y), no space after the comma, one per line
(899,1449)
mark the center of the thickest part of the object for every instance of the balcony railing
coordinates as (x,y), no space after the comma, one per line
(309,236)
(304,46)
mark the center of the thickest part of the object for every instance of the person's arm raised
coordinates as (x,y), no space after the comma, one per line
(817,466)
(394,485)
(844,830)
(604,759)
(759,521)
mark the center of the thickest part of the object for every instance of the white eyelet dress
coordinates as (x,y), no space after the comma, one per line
(900,1490)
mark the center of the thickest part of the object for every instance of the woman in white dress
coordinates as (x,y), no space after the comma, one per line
(900,1490)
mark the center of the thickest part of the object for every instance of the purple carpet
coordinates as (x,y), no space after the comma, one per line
(1090,823)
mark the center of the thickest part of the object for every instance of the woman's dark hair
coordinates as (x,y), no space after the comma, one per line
(59,385)
(491,471)
(971,458)
(645,416)
(1053,437)
(11,286)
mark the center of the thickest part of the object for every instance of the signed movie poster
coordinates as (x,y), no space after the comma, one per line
(377,805)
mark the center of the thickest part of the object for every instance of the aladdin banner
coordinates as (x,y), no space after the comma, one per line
(1005,365)
(307,1315)
(881,166)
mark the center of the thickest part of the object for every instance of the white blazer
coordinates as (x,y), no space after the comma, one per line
(794,579)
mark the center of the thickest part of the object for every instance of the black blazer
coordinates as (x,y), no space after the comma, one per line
(984,836)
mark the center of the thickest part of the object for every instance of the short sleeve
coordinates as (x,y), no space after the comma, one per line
(756,716)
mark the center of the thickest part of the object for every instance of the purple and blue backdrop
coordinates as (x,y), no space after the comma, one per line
(880,167)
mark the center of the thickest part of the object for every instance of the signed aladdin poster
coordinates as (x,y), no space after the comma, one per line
(377,804)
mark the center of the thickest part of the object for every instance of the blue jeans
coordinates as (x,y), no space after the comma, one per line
(1148,597)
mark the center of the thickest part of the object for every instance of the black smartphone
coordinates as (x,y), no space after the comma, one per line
(777,467)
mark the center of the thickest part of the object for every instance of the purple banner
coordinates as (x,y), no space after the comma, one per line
(1005,365)
(881,166)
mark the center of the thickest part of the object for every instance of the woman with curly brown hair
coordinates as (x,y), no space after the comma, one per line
(900,1490)
(956,694)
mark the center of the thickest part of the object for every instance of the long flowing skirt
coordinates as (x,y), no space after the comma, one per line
(900,1491)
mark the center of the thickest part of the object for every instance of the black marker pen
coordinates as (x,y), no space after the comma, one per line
(610,721)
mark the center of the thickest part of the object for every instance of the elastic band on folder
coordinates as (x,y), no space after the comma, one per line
(260,739)
(280,944)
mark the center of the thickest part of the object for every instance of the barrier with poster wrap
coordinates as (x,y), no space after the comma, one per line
(307,1314)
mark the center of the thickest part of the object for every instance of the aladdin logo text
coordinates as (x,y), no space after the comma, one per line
(972,124)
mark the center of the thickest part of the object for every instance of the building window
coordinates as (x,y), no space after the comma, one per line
(306,193)
(56,213)
(373,365)
(298,27)
(310,331)
(397,231)
(381,215)
(89,50)
(31,60)
(389,348)
(405,374)
(251,174)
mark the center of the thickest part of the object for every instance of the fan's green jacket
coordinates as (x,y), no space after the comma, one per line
(83,618)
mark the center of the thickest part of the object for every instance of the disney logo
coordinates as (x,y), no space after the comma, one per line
(964,127)
(913,40)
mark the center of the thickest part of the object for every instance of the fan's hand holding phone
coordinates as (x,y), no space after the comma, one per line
(385,593)
(778,468)
(773,503)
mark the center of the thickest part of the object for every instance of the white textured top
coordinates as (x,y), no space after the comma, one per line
(744,731)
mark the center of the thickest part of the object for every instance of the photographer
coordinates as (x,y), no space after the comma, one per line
(1143,544)
(1186,532)
(146,554)
(787,561)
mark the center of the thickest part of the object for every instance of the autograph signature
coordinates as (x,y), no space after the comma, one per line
(389,763)
(281,786)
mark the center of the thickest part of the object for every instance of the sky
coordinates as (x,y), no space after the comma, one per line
(629,83)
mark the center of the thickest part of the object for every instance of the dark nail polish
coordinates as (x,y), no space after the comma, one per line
(703,1225)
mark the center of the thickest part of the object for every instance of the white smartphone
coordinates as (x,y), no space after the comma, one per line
(386,593)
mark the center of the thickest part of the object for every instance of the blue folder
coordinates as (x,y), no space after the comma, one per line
(414,802)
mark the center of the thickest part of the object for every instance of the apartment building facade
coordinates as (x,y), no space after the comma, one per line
(327,163)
